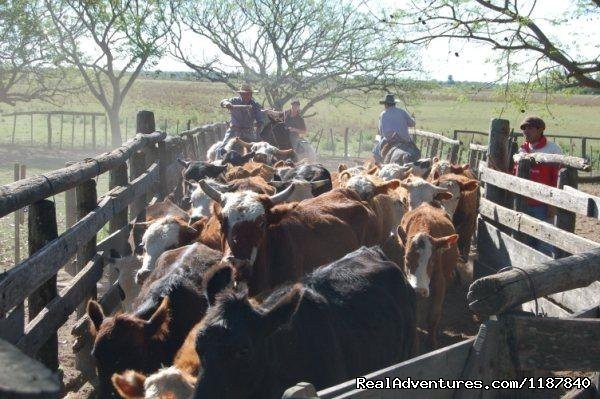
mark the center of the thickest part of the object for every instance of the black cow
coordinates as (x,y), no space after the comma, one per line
(306,172)
(170,303)
(343,320)
(198,170)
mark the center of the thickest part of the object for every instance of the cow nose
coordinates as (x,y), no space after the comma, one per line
(422,292)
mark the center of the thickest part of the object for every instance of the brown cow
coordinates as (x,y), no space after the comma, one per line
(270,244)
(170,303)
(431,256)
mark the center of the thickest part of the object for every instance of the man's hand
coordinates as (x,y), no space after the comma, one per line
(226,104)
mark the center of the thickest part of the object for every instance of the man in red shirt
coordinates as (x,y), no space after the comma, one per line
(533,129)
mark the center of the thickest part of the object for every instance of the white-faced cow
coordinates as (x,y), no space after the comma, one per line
(431,256)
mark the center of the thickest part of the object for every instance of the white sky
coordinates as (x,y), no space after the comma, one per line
(438,60)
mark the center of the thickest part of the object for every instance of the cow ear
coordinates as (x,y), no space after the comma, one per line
(130,384)
(469,186)
(95,313)
(373,170)
(342,167)
(283,311)
(158,323)
(385,187)
(216,280)
(444,195)
(345,175)
(445,242)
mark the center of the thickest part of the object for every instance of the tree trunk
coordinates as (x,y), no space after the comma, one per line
(115,127)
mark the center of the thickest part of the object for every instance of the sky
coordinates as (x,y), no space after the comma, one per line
(438,59)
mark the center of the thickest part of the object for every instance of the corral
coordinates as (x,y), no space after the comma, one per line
(509,343)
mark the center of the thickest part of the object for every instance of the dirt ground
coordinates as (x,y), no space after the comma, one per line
(457,322)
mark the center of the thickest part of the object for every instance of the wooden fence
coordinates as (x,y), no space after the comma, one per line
(511,343)
(69,129)
(150,158)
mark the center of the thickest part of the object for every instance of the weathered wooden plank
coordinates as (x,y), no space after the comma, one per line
(550,195)
(117,241)
(498,158)
(496,293)
(423,133)
(12,327)
(200,129)
(87,199)
(565,220)
(546,307)
(498,250)
(110,301)
(524,223)
(566,160)
(25,192)
(594,202)
(478,147)
(58,310)
(555,344)
(38,268)
(446,363)
(578,299)
(591,313)
(23,377)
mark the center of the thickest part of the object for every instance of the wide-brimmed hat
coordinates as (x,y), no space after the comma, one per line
(533,121)
(389,99)
(245,88)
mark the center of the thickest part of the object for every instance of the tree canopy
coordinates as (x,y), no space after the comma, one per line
(518,30)
(292,48)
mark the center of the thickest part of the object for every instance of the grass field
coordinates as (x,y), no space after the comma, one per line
(176,102)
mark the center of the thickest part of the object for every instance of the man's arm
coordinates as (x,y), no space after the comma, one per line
(410,121)
(226,103)
(258,115)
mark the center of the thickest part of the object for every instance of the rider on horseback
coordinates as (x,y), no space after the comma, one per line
(295,123)
(393,129)
(247,118)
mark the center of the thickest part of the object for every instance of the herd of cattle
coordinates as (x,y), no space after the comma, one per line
(263,271)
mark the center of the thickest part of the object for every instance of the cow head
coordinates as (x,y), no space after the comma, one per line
(201,202)
(201,170)
(302,189)
(162,234)
(243,218)
(126,342)
(368,187)
(168,382)
(421,167)
(420,191)
(457,185)
(391,171)
(236,159)
(232,343)
(422,255)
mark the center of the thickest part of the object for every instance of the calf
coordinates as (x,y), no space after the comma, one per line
(270,243)
(421,191)
(334,325)
(431,256)
(170,303)
(464,216)
(391,171)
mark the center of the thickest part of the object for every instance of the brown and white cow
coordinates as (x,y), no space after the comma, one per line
(170,303)
(431,256)
(270,243)
(421,191)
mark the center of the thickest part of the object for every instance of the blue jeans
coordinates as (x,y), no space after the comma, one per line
(540,211)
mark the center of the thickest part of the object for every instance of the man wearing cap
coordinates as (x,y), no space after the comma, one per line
(247,119)
(295,123)
(535,141)
(393,128)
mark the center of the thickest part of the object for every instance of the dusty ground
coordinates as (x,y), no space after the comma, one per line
(457,322)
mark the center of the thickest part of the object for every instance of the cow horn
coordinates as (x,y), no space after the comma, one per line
(319,183)
(286,153)
(282,196)
(211,191)
(276,183)
(143,224)
(243,143)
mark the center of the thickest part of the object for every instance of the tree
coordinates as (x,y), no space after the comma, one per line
(28,69)
(510,28)
(109,42)
(288,48)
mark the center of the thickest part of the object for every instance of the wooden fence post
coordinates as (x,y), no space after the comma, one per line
(498,157)
(145,124)
(43,229)
(23,176)
(87,200)
(106,131)
(49,124)
(189,124)
(84,130)
(17,175)
(519,201)
(70,220)
(163,163)
(137,166)
(346,144)
(434,148)
(118,177)
(93,131)
(62,122)
(565,220)
(73,132)
(14,127)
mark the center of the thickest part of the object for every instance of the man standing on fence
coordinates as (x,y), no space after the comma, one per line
(393,128)
(535,141)
(247,119)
